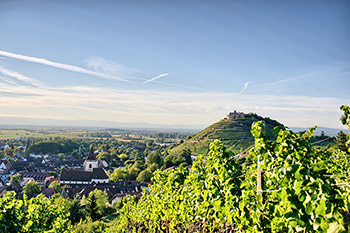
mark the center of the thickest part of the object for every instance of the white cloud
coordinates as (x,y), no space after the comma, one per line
(164,107)
(109,67)
(159,107)
(155,78)
(59,65)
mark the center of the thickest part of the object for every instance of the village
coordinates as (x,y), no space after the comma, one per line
(76,176)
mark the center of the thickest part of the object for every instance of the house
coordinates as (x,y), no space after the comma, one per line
(92,172)
(5,165)
(119,196)
(48,192)
(5,175)
(6,170)
(42,178)
(120,187)
(12,187)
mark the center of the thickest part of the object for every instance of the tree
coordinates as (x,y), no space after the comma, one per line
(104,156)
(123,156)
(145,176)
(133,173)
(53,173)
(75,210)
(153,167)
(9,152)
(56,186)
(75,154)
(28,144)
(91,207)
(61,201)
(119,174)
(31,188)
(155,157)
(101,200)
(186,155)
(169,161)
(136,154)
(15,179)
(61,156)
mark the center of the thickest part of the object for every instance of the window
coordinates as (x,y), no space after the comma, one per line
(90,165)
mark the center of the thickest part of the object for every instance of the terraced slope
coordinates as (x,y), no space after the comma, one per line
(233,132)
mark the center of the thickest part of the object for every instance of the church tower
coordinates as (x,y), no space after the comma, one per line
(91,162)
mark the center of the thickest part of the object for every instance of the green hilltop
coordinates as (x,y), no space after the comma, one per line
(233,131)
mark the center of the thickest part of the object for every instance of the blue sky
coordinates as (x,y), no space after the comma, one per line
(175,62)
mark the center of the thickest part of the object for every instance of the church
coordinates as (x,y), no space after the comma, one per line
(92,172)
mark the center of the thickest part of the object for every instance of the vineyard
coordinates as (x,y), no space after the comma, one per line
(285,186)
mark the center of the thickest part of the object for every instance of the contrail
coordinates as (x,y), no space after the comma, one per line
(19,76)
(59,65)
(155,78)
(245,87)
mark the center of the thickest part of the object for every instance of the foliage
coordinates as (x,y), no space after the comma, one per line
(33,215)
(91,208)
(302,191)
(59,200)
(15,178)
(76,211)
(302,195)
(155,157)
(56,146)
(341,142)
(75,154)
(104,156)
(184,159)
(9,152)
(123,156)
(31,188)
(102,200)
(345,120)
(119,174)
(56,186)
(145,176)
(96,204)
(90,226)
(53,173)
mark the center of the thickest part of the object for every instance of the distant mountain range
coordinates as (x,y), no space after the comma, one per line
(318,131)
(23,121)
(47,122)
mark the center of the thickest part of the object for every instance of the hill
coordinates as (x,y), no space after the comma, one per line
(233,131)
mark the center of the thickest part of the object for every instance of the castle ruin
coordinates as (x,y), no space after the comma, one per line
(234,115)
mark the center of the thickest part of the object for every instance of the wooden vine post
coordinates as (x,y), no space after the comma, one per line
(259,188)
(260,181)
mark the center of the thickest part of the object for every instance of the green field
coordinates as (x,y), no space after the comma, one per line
(11,133)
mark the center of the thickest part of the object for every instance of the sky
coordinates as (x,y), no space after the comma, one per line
(179,62)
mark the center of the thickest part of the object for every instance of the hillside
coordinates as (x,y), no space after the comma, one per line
(233,131)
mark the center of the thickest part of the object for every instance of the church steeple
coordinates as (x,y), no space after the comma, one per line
(91,161)
(91,154)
